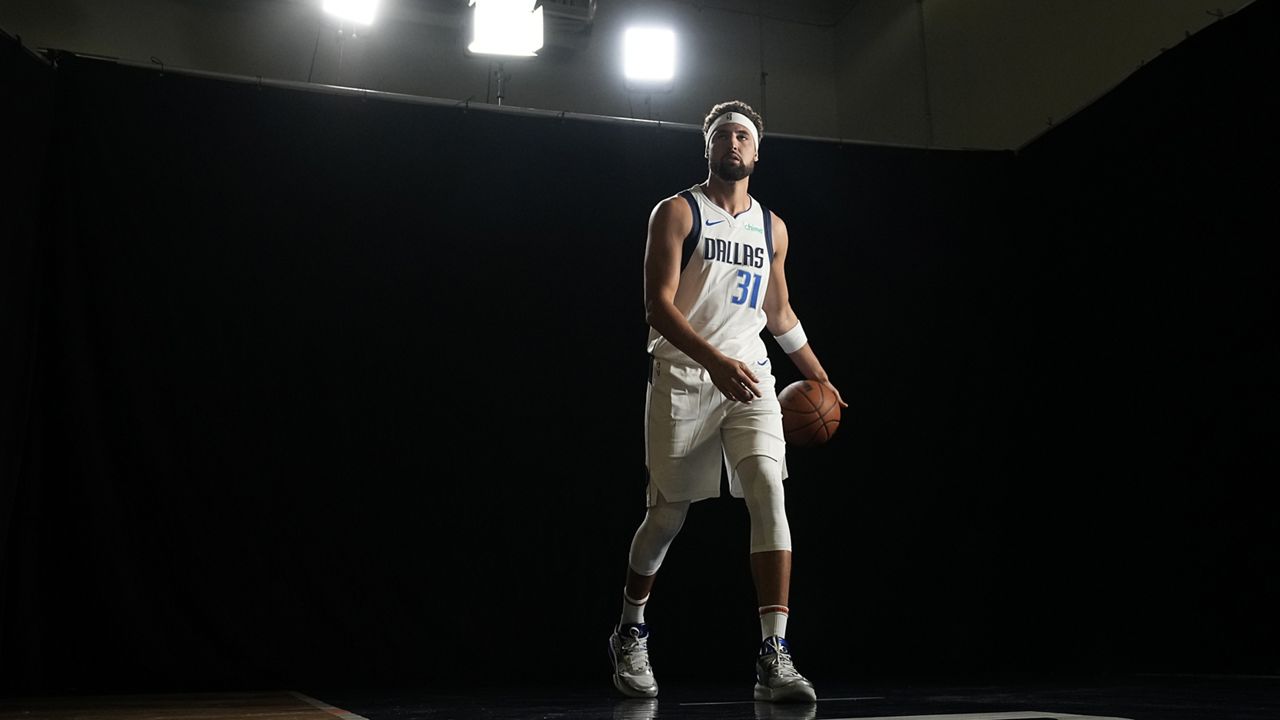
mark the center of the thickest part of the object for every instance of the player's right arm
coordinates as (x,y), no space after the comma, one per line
(669,224)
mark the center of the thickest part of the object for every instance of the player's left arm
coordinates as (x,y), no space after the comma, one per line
(781,319)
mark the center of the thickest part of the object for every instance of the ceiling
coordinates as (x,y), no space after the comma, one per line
(826,13)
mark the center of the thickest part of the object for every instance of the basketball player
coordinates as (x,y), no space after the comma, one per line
(713,280)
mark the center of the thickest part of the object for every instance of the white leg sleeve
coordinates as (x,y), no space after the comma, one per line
(662,522)
(762,489)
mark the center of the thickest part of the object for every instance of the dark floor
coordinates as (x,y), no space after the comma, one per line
(1139,697)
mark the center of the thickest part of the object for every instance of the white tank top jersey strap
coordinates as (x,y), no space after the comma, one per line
(724,276)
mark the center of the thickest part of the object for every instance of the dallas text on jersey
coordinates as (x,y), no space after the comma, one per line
(734,253)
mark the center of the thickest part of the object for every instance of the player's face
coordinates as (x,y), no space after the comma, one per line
(731,154)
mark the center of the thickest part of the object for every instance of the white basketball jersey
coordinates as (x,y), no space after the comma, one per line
(724,276)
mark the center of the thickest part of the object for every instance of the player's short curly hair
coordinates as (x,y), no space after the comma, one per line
(733,106)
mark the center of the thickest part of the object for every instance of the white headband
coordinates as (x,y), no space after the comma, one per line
(733,117)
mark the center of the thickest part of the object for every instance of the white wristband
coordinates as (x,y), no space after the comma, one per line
(792,340)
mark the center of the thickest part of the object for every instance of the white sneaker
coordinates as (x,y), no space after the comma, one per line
(776,677)
(629,651)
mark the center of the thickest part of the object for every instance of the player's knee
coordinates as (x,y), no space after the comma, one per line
(666,519)
(761,478)
(661,524)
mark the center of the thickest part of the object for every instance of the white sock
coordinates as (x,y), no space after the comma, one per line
(773,621)
(632,609)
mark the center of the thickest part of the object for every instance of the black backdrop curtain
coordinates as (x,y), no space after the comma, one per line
(338,390)
(26,113)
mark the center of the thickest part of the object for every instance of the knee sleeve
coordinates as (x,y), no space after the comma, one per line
(762,489)
(662,522)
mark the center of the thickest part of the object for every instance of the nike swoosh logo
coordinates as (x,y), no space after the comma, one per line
(763,362)
(713,222)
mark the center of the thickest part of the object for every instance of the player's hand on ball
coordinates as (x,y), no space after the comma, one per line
(833,389)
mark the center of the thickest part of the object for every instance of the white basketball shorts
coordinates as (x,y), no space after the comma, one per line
(692,430)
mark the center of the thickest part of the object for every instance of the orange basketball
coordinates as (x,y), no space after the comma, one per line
(810,413)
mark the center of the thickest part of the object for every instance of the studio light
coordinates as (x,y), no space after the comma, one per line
(649,54)
(506,27)
(357,11)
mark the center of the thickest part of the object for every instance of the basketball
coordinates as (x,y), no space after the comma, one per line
(810,413)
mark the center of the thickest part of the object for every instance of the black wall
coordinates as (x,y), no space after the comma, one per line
(1155,327)
(338,391)
(26,113)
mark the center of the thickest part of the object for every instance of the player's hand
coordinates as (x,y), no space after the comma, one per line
(833,389)
(735,379)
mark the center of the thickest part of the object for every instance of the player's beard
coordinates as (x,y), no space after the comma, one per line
(731,172)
